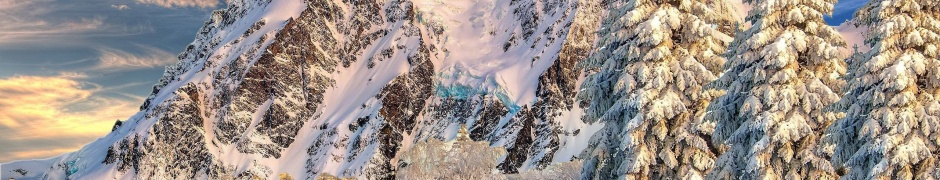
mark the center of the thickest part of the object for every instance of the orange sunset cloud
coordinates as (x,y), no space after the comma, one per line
(36,109)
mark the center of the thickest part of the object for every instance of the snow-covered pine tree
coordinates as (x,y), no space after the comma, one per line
(654,58)
(779,81)
(461,158)
(892,112)
(561,171)
(854,61)
(829,142)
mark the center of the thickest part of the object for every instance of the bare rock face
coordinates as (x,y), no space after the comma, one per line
(315,87)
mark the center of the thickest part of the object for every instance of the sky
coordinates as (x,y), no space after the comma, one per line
(69,69)
(844,10)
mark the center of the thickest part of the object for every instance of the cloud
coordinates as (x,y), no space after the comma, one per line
(38,21)
(120,7)
(73,75)
(41,148)
(182,3)
(114,59)
(7,5)
(69,68)
(42,116)
(21,19)
(20,29)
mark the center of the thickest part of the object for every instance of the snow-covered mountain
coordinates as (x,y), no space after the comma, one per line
(307,87)
(601,89)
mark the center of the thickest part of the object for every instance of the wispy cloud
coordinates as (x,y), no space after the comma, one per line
(37,113)
(73,75)
(14,28)
(120,7)
(114,59)
(20,19)
(43,21)
(182,3)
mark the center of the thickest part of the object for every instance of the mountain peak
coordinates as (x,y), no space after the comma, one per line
(315,87)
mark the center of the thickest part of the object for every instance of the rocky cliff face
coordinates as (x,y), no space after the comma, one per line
(343,87)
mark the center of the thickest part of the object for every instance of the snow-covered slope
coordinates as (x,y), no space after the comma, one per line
(306,87)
